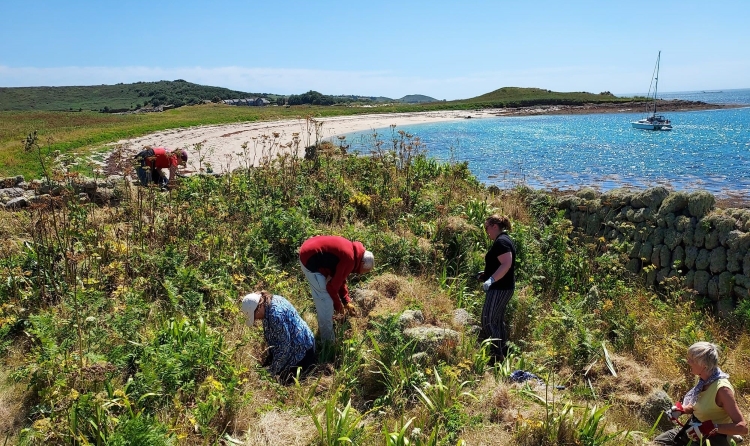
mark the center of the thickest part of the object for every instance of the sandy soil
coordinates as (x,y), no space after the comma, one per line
(222,145)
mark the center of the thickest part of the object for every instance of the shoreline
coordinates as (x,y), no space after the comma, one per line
(221,146)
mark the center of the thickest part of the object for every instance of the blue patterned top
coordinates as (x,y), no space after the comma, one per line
(286,334)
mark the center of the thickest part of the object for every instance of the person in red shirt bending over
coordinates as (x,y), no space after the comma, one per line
(327,261)
(153,160)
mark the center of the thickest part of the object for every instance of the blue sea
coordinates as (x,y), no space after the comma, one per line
(706,150)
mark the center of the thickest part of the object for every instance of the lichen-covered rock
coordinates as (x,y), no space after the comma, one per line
(643,231)
(688,280)
(462,318)
(588,193)
(673,203)
(570,202)
(593,297)
(700,282)
(617,197)
(665,257)
(712,240)
(366,299)
(643,214)
(740,292)
(678,257)
(733,239)
(699,235)
(672,238)
(683,223)
(634,265)
(629,214)
(10,193)
(653,407)
(593,224)
(700,203)
(575,218)
(718,260)
(724,226)
(650,198)
(635,250)
(734,260)
(691,254)
(657,237)
(411,318)
(646,250)
(703,260)
(725,284)
(669,220)
(432,339)
(655,257)
(742,280)
(713,288)
(662,274)
(17,203)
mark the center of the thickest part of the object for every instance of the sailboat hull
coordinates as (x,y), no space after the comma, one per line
(644,124)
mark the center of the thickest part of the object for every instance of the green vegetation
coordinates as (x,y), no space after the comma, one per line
(525,97)
(120,97)
(417,98)
(120,325)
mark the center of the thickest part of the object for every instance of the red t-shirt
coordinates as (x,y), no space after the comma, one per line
(164,159)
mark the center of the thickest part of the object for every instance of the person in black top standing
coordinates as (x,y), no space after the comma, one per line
(499,282)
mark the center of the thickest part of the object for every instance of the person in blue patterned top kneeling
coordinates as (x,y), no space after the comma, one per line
(290,341)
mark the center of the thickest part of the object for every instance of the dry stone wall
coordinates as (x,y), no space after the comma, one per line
(16,193)
(672,234)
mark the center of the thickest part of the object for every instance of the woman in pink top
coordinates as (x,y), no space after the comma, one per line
(711,404)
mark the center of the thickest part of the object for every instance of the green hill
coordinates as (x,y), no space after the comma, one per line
(523,97)
(114,97)
(416,99)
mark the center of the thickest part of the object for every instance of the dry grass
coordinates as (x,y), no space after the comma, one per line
(281,428)
(511,204)
(14,402)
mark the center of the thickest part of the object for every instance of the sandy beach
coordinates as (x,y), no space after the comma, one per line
(221,146)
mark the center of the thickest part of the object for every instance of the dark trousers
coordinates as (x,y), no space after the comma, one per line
(493,321)
(678,437)
(306,364)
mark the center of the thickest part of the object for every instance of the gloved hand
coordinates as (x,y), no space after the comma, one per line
(488,283)
(698,430)
(350,309)
(675,412)
(479,276)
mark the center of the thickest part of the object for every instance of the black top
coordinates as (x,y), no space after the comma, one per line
(502,244)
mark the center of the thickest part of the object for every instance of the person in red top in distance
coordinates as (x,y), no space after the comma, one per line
(153,160)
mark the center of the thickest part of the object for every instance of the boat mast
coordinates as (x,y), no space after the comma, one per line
(656,85)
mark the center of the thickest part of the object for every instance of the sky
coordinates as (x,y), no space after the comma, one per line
(443,49)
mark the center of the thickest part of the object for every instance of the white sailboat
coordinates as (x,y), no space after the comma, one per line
(653,121)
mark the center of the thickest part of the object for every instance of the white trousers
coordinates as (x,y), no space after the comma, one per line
(323,303)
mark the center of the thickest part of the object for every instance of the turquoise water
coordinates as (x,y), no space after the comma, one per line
(706,150)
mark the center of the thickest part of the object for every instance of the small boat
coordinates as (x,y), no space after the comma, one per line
(654,121)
